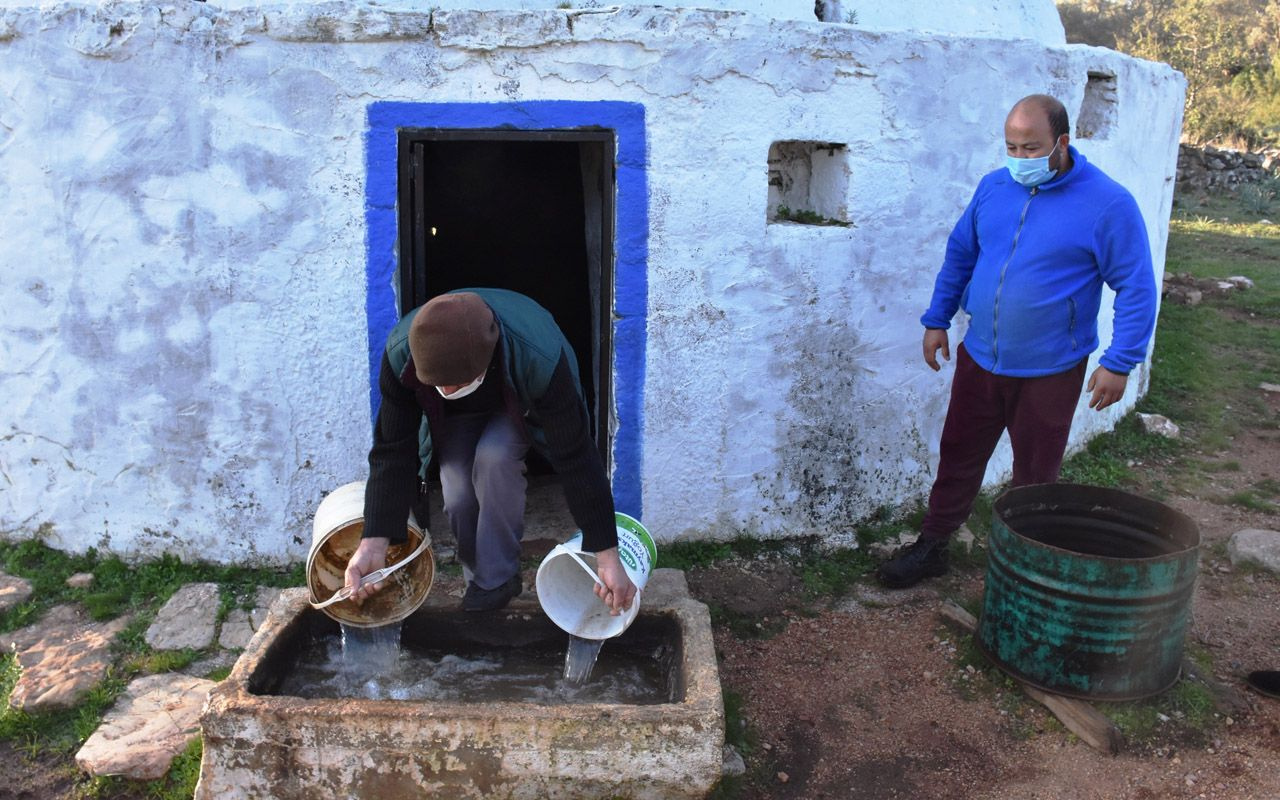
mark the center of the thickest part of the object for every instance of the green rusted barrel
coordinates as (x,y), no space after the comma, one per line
(1088,590)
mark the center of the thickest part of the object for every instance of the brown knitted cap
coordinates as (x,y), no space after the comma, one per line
(452,339)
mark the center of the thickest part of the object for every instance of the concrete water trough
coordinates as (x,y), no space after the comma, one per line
(260,742)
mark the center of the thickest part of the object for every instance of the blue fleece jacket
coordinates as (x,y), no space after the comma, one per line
(1027,266)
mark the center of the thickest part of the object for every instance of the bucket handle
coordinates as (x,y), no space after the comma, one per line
(377,576)
(574,555)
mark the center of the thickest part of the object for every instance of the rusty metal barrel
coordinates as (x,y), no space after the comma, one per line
(1088,590)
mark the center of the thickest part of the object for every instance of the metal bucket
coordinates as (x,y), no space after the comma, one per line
(335,535)
(1088,590)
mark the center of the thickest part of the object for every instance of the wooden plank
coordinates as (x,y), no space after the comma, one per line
(1078,716)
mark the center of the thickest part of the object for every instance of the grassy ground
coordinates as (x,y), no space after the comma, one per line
(118,589)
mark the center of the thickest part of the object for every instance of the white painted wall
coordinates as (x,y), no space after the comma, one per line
(183,346)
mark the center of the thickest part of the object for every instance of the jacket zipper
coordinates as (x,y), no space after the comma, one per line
(995,310)
(1071,329)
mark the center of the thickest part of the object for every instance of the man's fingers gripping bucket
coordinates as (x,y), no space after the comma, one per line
(566,582)
(335,535)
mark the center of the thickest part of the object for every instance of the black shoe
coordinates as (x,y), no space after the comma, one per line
(1265,682)
(477,599)
(923,558)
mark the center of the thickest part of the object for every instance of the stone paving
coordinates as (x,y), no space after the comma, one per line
(64,655)
(149,725)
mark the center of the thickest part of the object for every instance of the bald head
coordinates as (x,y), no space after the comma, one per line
(1053,111)
(1037,128)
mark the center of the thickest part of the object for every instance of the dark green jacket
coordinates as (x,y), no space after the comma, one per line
(541,391)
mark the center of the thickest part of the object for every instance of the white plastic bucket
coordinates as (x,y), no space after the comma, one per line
(566,590)
(335,535)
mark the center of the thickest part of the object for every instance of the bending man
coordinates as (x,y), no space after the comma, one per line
(473,378)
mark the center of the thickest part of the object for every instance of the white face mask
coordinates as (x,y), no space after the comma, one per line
(464,391)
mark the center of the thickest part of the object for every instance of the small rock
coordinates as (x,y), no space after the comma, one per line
(147,728)
(884,549)
(1159,425)
(236,630)
(732,764)
(1240,282)
(1269,387)
(1254,546)
(14,591)
(81,580)
(1184,295)
(783,777)
(766,747)
(189,619)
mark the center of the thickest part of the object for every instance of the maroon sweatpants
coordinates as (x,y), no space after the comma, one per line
(1037,412)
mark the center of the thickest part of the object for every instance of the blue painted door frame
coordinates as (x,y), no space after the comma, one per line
(630,279)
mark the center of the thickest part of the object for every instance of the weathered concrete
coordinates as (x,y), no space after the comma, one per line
(258,745)
(149,726)
(190,245)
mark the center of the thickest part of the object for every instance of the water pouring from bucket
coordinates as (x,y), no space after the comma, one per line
(566,582)
(567,578)
(335,534)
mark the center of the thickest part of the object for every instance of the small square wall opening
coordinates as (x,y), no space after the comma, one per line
(1098,111)
(809,183)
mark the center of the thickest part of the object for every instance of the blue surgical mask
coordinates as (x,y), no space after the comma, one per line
(1031,172)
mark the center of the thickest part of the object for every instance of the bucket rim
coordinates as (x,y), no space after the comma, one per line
(637,527)
(1003,500)
(428,553)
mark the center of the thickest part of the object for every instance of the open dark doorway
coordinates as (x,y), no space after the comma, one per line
(530,211)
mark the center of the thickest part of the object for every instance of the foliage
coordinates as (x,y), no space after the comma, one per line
(1229,51)
(1261,197)
(807,217)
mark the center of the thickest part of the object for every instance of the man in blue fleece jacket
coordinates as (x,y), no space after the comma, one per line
(1026,262)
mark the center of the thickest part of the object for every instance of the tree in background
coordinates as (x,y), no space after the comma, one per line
(1229,51)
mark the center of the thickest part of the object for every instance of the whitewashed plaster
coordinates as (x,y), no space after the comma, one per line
(183,348)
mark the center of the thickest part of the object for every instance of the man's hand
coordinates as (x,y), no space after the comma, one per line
(618,590)
(369,556)
(935,339)
(1107,387)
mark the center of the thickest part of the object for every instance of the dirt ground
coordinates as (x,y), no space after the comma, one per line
(873,699)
